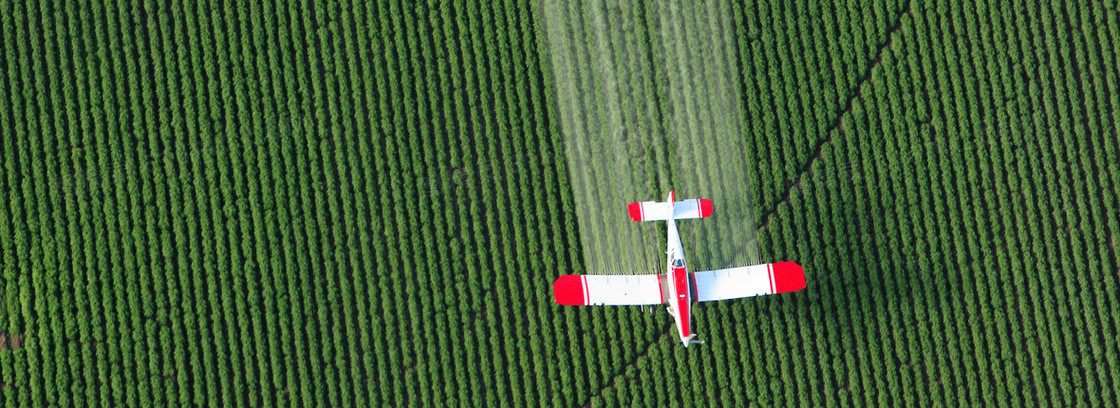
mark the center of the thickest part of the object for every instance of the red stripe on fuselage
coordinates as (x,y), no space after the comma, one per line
(680,285)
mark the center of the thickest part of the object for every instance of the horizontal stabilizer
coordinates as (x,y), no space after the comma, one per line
(680,210)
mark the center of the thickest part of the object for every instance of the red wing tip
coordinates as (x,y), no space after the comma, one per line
(635,211)
(705,208)
(788,277)
(568,290)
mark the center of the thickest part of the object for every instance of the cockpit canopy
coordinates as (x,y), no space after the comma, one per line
(678,263)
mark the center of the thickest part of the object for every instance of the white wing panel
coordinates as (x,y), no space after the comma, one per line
(747,281)
(733,283)
(649,211)
(621,290)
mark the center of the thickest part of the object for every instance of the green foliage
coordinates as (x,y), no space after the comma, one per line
(347,203)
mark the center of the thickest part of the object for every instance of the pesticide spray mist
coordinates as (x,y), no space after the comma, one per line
(649,100)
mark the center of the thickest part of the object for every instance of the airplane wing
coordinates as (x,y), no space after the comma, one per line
(604,290)
(747,281)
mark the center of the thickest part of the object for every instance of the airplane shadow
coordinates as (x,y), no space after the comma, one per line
(861,279)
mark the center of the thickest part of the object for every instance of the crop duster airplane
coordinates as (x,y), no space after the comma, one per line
(677,287)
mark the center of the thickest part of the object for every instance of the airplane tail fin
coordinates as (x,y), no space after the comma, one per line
(661,211)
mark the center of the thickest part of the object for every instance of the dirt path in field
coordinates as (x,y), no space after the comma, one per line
(10,341)
(835,125)
(621,371)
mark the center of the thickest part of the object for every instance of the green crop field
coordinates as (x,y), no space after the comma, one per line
(365,203)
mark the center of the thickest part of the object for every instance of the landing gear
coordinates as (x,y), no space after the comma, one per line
(691,339)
